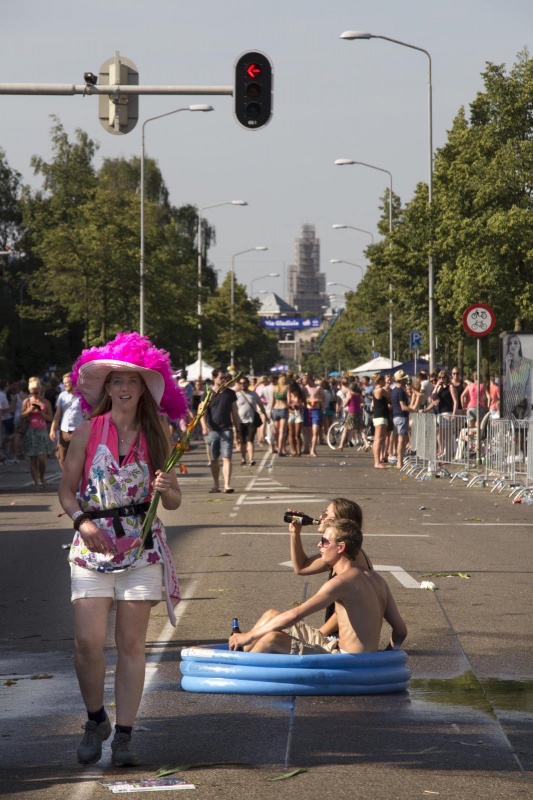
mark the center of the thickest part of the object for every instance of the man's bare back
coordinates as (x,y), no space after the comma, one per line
(361,601)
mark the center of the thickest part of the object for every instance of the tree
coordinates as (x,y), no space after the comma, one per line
(251,342)
(484,205)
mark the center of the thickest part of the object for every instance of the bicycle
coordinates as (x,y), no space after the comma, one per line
(335,433)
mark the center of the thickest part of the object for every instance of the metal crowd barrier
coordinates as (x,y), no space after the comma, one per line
(523,459)
(424,442)
(498,455)
(440,443)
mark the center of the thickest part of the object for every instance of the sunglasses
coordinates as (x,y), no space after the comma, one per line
(324,542)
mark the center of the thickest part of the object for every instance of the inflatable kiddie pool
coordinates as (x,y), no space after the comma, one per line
(219,670)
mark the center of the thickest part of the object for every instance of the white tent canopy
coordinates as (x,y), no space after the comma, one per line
(193,370)
(376,365)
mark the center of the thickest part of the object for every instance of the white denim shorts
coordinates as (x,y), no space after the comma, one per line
(142,583)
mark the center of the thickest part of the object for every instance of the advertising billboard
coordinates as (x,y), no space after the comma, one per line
(516,375)
(291,322)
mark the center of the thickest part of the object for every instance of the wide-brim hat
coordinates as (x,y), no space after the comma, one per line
(129,352)
(400,375)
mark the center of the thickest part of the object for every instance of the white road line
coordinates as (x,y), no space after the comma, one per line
(480,524)
(400,574)
(367,535)
(166,635)
(288,499)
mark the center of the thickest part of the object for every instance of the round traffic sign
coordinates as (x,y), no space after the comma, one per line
(479,319)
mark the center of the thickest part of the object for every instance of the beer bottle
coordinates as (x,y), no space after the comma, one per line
(235,628)
(300,519)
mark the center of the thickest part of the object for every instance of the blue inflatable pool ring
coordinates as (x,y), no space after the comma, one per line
(219,670)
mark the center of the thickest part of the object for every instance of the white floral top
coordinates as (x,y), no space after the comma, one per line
(107,484)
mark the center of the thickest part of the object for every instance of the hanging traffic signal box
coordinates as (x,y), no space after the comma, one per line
(253,90)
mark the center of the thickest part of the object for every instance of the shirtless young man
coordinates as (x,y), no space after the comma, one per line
(362,601)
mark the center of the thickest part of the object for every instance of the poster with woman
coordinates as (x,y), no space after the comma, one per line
(516,375)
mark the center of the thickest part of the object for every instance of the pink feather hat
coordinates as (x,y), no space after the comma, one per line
(129,352)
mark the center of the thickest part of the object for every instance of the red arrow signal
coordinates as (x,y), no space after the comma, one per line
(253,70)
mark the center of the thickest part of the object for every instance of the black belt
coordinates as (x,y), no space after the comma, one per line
(135,510)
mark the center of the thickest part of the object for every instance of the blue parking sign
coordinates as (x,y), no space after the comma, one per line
(415,340)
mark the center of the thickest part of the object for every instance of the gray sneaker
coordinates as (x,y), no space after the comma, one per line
(90,749)
(122,753)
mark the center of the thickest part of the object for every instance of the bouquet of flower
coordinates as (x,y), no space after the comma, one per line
(181,447)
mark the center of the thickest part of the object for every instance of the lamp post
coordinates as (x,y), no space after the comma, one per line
(351,263)
(260,278)
(348,162)
(350,35)
(333,283)
(338,227)
(201,107)
(199,243)
(232,299)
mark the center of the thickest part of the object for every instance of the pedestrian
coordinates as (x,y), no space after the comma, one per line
(37,412)
(279,413)
(469,400)
(217,426)
(113,466)
(249,407)
(400,413)
(315,401)
(381,418)
(67,418)
(296,400)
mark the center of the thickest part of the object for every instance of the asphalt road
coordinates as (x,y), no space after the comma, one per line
(464,729)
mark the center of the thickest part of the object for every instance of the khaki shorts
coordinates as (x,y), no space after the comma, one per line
(142,583)
(307,640)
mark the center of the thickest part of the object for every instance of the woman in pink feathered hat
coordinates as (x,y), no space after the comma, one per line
(113,466)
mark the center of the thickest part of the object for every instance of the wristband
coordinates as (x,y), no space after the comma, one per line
(80,520)
(77,514)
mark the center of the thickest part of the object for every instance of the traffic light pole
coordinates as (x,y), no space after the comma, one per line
(87,89)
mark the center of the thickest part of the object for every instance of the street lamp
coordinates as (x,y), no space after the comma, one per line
(201,107)
(342,261)
(232,299)
(332,283)
(431,275)
(199,243)
(347,162)
(338,227)
(262,277)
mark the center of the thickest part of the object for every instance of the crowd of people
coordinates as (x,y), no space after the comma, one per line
(290,414)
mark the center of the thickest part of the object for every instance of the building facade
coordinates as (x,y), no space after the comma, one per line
(306,284)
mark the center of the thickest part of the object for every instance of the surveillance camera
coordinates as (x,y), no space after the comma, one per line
(90,78)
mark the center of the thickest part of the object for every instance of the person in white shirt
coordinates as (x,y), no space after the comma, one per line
(67,417)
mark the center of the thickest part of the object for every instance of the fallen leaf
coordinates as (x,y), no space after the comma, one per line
(288,775)
(43,677)
(10,682)
(202,765)
(221,555)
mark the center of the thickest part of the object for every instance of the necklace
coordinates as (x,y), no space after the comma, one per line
(124,438)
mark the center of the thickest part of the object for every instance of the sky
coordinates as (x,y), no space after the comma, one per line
(366,100)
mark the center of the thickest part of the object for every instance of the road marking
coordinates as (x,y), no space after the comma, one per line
(366,536)
(288,500)
(400,574)
(480,524)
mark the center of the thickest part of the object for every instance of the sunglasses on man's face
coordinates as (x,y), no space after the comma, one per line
(324,542)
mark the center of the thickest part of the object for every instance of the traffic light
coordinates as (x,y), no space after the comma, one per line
(253,90)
